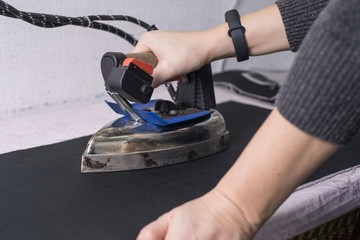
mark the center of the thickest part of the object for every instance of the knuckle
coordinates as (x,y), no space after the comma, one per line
(146,36)
(169,67)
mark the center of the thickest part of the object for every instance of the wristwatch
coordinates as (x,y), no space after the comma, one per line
(237,33)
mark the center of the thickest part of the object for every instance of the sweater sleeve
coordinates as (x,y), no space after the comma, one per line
(321,94)
(298,16)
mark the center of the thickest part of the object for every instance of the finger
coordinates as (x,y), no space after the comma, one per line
(140,48)
(164,71)
(179,78)
(159,75)
(181,227)
(155,230)
(144,44)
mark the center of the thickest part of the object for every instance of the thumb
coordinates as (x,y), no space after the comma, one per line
(155,230)
(140,47)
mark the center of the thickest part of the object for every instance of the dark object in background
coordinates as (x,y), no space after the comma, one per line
(249,84)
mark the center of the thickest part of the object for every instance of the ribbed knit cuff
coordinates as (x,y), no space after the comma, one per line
(298,16)
(322,92)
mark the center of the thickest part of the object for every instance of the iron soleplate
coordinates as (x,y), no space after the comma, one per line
(126,145)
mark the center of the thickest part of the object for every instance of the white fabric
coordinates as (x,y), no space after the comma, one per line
(313,204)
(57,126)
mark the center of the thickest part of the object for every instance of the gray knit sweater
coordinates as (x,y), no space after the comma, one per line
(322,92)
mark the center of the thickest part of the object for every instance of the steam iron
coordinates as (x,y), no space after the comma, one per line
(154,133)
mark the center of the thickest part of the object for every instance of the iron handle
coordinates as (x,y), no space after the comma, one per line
(147,57)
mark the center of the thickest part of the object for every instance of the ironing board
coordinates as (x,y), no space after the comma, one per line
(44,195)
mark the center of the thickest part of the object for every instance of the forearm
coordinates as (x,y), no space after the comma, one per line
(265,33)
(279,157)
(182,52)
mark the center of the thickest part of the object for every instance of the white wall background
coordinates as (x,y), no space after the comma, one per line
(49,69)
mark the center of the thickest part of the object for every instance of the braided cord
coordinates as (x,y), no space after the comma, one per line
(53,21)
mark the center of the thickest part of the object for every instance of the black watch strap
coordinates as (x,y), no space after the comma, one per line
(236,32)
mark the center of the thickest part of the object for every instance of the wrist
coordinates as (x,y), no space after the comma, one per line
(218,44)
(265,33)
(249,214)
(229,213)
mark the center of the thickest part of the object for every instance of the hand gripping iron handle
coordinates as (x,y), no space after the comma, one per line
(196,91)
(115,59)
(129,75)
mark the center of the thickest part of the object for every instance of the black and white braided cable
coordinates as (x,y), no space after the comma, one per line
(52,21)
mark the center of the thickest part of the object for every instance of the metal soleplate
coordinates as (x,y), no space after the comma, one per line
(125,145)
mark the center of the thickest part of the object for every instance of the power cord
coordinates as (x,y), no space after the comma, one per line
(53,21)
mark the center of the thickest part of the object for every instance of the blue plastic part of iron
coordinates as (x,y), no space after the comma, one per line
(154,118)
